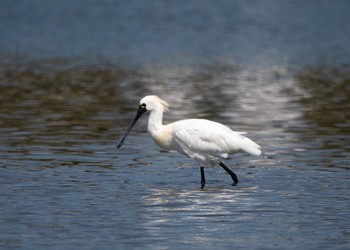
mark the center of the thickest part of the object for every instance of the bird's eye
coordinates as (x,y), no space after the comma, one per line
(143,105)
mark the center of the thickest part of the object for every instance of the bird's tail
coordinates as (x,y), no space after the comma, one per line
(249,146)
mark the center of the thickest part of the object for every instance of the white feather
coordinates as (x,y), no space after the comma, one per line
(200,139)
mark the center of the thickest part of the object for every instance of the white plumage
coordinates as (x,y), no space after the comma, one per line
(205,141)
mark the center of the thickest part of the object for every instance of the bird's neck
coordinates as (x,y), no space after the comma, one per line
(155,122)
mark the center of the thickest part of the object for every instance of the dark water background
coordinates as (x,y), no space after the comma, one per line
(72,74)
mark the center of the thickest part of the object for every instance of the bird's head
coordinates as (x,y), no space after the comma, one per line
(148,103)
(153,102)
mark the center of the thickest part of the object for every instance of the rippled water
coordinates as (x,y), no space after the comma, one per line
(64,184)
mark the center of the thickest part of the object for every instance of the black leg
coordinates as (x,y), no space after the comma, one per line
(233,175)
(202,177)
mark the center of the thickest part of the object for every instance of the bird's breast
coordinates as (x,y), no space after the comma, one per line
(163,138)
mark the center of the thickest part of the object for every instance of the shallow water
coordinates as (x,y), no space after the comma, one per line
(64,184)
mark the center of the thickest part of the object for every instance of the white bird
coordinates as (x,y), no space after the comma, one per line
(205,141)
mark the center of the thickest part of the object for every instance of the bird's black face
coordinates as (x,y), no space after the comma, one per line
(142,109)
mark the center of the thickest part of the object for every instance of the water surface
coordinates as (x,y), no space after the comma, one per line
(71,84)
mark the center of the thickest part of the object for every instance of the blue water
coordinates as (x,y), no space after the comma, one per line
(177,32)
(71,77)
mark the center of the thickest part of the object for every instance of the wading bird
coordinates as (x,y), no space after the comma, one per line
(205,141)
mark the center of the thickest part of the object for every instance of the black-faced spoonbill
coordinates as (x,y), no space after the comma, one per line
(205,141)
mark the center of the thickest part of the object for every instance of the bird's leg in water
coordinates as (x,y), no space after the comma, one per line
(233,175)
(202,177)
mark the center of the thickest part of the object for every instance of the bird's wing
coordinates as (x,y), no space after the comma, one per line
(202,137)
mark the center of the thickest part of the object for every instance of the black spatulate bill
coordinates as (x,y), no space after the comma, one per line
(142,109)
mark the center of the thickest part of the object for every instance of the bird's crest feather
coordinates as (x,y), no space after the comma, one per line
(164,104)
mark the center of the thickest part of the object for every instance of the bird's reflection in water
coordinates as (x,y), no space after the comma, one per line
(193,206)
